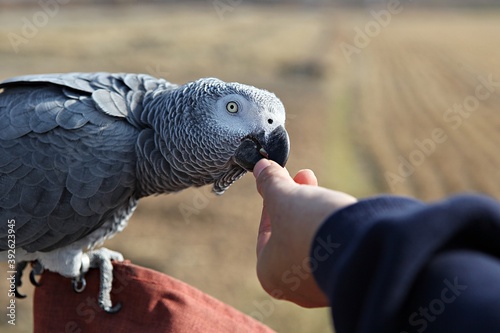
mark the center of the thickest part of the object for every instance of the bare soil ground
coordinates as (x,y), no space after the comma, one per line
(352,117)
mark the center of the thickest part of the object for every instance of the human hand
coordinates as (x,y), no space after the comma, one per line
(294,209)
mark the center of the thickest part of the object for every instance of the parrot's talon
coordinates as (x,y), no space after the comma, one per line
(112,309)
(33,279)
(18,278)
(37,269)
(79,284)
(18,295)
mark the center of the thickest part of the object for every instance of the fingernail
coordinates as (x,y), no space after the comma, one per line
(261,165)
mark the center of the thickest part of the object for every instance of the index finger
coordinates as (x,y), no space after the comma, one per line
(306,177)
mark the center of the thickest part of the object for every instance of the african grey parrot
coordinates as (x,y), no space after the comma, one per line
(78,150)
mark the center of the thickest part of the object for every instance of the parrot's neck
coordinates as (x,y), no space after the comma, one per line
(154,173)
(160,167)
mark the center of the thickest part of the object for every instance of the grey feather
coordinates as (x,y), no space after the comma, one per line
(110,103)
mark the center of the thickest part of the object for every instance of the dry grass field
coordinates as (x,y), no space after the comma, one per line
(402,108)
(428,103)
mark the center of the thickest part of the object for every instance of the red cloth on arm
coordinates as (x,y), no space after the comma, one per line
(151,302)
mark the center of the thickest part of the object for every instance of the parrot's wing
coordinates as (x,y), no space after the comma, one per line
(67,154)
(116,94)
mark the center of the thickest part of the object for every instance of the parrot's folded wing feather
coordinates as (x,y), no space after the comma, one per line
(66,151)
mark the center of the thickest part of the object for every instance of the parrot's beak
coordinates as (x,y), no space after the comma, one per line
(275,146)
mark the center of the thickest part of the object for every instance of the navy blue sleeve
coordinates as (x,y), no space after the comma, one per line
(394,264)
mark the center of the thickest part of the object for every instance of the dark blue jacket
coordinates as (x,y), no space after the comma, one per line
(394,264)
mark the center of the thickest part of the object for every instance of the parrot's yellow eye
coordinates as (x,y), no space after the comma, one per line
(232,107)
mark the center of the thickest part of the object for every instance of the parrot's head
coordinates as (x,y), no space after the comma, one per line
(228,128)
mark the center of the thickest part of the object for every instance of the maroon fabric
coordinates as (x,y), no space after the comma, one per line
(151,302)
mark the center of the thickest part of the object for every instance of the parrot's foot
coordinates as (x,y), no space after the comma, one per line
(37,269)
(100,258)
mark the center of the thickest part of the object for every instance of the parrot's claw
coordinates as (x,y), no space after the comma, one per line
(114,309)
(18,278)
(18,295)
(36,270)
(100,258)
(79,284)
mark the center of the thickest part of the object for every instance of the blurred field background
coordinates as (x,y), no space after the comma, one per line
(363,110)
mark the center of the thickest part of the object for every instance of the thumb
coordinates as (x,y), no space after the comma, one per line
(271,177)
(260,166)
